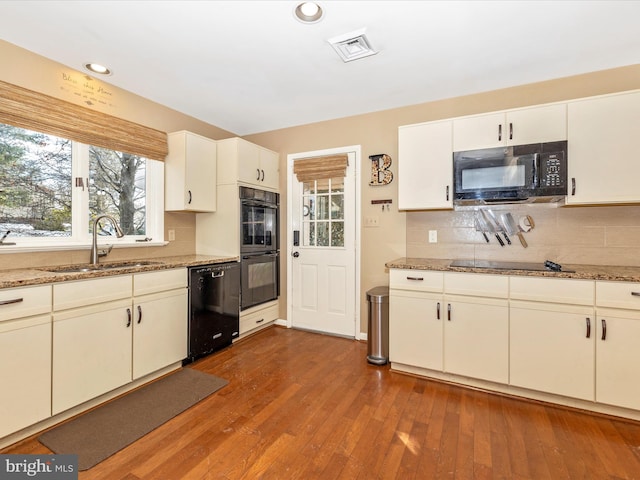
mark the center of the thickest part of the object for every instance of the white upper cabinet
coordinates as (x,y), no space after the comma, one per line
(425,166)
(248,163)
(190,173)
(546,123)
(602,149)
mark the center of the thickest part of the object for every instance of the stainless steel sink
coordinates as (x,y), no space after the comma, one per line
(100,267)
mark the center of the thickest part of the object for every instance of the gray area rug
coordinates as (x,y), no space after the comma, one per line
(100,433)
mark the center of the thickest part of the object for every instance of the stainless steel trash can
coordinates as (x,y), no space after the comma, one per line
(378,336)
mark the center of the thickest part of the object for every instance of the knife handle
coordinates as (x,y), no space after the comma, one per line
(500,240)
(486,238)
(506,238)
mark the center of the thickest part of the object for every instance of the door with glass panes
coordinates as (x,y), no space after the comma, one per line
(323,261)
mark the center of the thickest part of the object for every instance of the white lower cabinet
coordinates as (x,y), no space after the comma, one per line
(91,352)
(160,331)
(476,338)
(552,348)
(618,358)
(25,372)
(415,334)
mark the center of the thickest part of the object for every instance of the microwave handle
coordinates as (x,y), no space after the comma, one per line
(536,169)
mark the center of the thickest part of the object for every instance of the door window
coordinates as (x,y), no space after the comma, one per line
(323,213)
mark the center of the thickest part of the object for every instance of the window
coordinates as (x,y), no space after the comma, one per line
(323,212)
(51,188)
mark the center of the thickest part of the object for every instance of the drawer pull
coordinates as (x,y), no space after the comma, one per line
(604,329)
(260,321)
(635,294)
(588,327)
(9,302)
(415,278)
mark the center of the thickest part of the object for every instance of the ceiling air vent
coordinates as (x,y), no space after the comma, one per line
(352,46)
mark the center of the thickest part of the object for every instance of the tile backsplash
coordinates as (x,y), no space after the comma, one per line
(597,235)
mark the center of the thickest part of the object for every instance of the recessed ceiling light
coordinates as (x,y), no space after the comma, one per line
(97,68)
(308,12)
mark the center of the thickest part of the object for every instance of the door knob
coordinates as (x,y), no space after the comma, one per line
(295,254)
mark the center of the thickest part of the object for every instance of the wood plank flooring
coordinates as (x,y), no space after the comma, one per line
(301,405)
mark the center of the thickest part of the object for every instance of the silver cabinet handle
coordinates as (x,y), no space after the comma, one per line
(9,302)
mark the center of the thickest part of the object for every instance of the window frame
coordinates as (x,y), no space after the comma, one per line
(80,236)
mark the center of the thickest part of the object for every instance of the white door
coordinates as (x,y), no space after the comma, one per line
(323,263)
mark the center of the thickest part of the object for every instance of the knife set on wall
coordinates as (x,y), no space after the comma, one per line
(488,224)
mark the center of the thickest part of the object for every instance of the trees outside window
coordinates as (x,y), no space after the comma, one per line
(38,174)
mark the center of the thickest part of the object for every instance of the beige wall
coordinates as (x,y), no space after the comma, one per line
(579,235)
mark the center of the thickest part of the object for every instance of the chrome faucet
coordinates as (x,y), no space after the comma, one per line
(94,243)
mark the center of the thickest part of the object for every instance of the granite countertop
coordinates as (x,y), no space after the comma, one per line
(40,275)
(583,272)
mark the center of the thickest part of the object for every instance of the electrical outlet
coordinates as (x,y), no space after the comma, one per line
(172,235)
(373,221)
(433,236)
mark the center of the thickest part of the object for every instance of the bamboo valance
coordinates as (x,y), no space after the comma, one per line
(25,108)
(320,168)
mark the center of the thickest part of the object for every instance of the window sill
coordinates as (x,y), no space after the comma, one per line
(74,246)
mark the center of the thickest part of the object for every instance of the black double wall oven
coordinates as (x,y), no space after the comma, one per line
(259,247)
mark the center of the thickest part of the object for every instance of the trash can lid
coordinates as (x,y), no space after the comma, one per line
(378,295)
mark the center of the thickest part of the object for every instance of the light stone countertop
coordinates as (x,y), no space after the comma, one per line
(40,275)
(583,272)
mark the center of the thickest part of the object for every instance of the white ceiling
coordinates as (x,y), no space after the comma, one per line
(249,66)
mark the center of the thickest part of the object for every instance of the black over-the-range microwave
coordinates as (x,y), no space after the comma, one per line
(522,173)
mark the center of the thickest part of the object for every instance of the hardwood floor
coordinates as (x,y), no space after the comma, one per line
(309,406)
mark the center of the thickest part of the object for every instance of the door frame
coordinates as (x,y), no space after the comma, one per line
(356,149)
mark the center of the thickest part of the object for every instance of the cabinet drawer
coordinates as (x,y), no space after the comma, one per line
(151,282)
(24,302)
(618,295)
(258,319)
(554,290)
(88,292)
(419,280)
(476,284)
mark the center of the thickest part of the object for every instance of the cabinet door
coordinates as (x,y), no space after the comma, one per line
(269,169)
(618,359)
(160,331)
(91,352)
(25,370)
(547,123)
(415,329)
(552,349)
(249,163)
(476,338)
(200,184)
(602,144)
(425,166)
(479,131)
(190,173)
